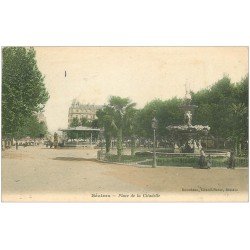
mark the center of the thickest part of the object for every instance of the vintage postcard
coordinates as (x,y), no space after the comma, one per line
(125,124)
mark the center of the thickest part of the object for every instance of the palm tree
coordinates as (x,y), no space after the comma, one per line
(238,113)
(105,119)
(130,127)
(121,110)
(115,117)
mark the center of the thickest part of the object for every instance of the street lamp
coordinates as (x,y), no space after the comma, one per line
(101,139)
(154,126)
(100,152)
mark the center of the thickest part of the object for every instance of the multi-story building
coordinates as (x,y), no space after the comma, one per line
(80,110)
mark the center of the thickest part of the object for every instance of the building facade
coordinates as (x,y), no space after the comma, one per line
(79,110)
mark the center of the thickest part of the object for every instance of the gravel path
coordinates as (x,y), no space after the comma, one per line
(41,174)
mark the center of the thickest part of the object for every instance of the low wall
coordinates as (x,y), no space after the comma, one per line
(171,155)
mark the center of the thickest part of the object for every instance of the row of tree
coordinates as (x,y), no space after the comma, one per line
(23,94)
(223,106)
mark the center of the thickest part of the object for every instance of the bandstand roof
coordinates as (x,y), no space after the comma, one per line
(79,128)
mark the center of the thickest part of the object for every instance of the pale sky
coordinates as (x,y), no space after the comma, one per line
(140,73)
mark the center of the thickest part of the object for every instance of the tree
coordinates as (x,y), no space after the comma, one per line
(85,122)
(167,112)
(43,130)
(239,116)
(114,117)
(213,107)
(23,89)
(105,118)
(74,123)
(95,124)
(121,107)
(130,127)
(32,128)
(224,107)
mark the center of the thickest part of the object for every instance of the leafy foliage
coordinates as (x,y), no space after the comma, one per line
(166,112)
(32,128)
(23,89)
(224,107)
(74,123)
(117,117)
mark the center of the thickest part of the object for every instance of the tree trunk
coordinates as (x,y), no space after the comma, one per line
(119,143)
(236,146)
(132,146)
(239,148)
(108,142)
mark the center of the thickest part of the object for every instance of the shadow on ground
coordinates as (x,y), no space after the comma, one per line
(75,159)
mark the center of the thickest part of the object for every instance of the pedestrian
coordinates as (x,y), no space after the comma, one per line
(232,160)
(55,140)
(50,144)
(202,159)
(209,161)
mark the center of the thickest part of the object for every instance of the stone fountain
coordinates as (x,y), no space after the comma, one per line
(186,138)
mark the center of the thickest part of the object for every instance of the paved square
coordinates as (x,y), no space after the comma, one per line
(41,174)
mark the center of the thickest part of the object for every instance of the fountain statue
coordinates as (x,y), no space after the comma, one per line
(188,117)
(187,137)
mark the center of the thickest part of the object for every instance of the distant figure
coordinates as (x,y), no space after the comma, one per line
(191,146)
(176,148)
(231,162)
(199,145)
(202,159)
(50,144)
(188,118)
(209,161)
(182,148)
(55,140)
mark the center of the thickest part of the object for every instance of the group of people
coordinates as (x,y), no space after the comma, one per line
(206,162)
(50,143)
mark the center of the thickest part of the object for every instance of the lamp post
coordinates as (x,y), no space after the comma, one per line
(101,139)
(100,153)
(154,126)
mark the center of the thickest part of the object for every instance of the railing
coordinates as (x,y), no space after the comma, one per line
(79,143)
(124,158)
(190,161)
(170,160)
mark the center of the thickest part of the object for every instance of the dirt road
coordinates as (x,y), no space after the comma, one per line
(40,174)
